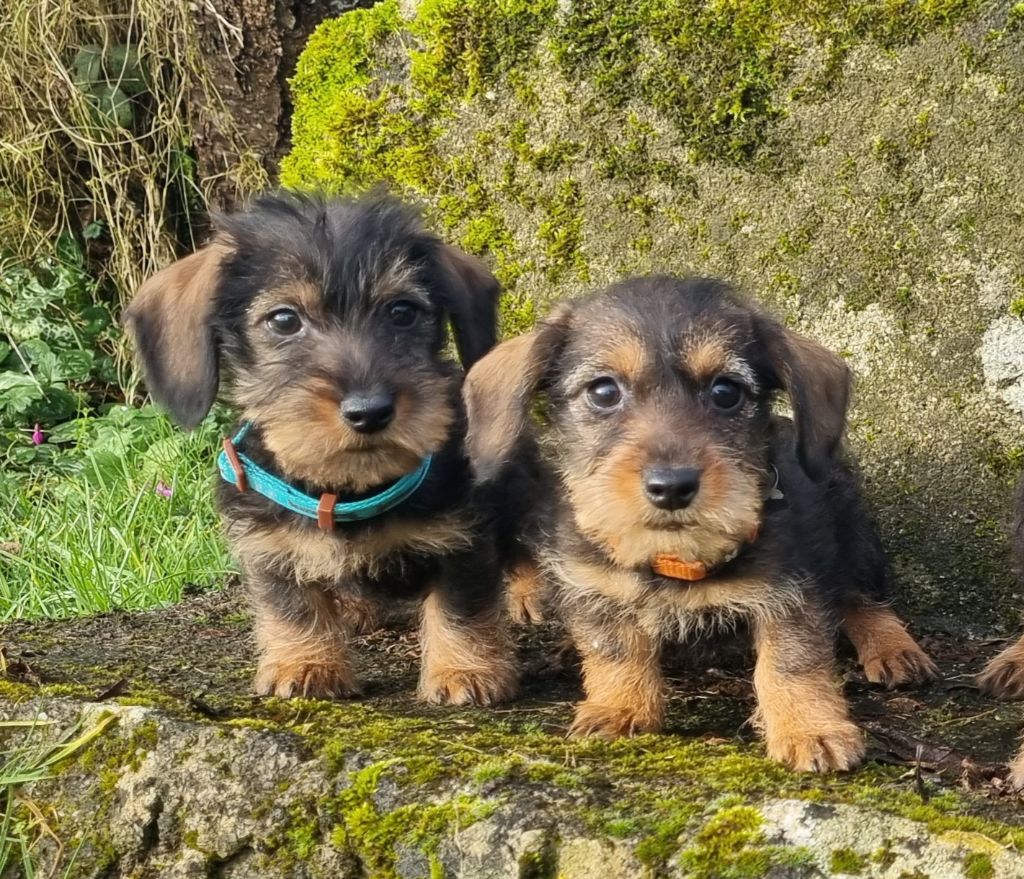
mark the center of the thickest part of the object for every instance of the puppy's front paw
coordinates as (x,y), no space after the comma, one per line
(828,747)
(907,664)
(1003,677)
(453,686)
(307,679)
(612,721)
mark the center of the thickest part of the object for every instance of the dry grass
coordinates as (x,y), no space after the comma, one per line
(65,166)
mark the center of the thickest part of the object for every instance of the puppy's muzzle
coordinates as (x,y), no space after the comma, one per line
(368,412)
(671,488)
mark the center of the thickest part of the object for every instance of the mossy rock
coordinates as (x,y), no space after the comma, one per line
(191,776)
(853,164)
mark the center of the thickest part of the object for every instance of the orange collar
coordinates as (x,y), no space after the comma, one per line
(676,569)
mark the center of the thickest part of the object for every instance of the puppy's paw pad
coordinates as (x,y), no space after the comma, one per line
(308,681)
(610,722)
(899,668)
(459,687)
(810,750)
(1003,677)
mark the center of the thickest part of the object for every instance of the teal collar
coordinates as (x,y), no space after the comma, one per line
(244,473)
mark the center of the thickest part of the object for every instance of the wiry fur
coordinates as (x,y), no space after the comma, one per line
(793,569)
(1003,677)
(205,326)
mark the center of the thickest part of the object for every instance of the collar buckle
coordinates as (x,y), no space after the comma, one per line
(325,511)
(241,483)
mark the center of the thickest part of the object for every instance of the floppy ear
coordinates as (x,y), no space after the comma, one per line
(499,392)
(818,384)
(472,304)
(170,322)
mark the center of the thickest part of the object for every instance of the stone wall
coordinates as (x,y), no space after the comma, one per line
(856,166)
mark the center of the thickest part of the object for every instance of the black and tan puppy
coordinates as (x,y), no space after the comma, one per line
(324,325)
(1003,677)
(683,502)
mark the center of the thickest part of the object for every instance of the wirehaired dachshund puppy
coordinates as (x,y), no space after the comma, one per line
(683,502)
(323,324)
(1003,677)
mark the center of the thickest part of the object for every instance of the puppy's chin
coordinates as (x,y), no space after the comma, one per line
(612,512)
(636,545)
(332,457)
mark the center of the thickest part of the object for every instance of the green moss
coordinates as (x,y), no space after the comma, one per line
(561,232)
(978,865)
(379,99)
(13,691)
(846,860)
(1017,307)
(884,856)
(372,833)
(732,845)
(662,784)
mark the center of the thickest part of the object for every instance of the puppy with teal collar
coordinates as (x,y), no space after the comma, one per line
(345,487)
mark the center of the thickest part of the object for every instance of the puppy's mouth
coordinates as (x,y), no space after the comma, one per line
(670,523)
(670,526)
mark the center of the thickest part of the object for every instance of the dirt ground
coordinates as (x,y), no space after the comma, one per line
(199,653)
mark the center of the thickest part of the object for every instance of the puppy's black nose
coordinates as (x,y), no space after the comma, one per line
(368,412)
(671,488)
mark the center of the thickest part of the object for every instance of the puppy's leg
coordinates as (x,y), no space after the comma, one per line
(1003,677)
(800,708)
(468,654)
(301,642)
(526,591)
(622,679)
(884,647)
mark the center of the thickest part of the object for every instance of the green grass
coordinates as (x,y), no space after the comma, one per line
(22,825)
(90,532)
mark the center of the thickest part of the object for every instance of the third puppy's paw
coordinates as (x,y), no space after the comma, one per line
(1017,771)
(612,721)
(1003,677)
(837,746)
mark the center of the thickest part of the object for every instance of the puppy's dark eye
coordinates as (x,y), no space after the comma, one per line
(726,395)
(403,313)
(284,322)
(604,393)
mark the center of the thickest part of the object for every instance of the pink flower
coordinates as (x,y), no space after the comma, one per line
(163,489)
(38,437)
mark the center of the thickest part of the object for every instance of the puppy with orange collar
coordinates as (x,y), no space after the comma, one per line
(682,502)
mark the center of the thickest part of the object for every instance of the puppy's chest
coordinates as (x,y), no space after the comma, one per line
(668,608)
(395,548)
